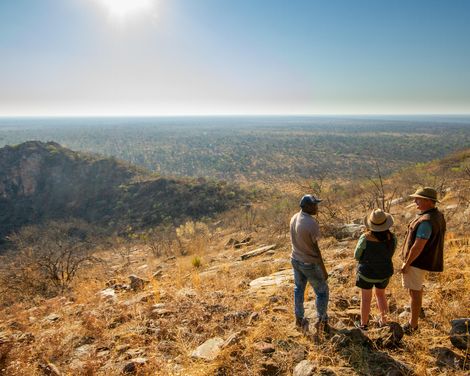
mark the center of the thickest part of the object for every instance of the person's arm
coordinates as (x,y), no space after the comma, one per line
(422,236)
(415,251)
(361,245)
(322,264)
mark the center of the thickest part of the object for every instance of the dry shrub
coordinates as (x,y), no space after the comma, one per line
(46,259)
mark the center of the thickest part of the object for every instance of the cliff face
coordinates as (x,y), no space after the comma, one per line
(44,181)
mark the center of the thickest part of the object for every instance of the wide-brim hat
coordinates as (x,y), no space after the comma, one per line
(426,192)
(378,220)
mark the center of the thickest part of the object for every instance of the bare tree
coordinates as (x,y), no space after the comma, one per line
(47,258)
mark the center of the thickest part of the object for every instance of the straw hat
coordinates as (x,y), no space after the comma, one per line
(378,220)
(426,192)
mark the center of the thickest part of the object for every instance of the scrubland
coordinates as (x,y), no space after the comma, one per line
(195,285)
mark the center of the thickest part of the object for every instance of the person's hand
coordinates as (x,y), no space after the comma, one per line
(404,268)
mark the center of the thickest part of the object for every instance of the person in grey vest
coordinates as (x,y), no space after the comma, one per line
(374,252)
(423,250)
(308,264)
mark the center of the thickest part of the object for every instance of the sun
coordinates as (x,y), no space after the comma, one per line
(125,8)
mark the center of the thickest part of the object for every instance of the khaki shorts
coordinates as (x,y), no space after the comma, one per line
(414,279)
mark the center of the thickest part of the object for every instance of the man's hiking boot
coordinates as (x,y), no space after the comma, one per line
(302,324)
(322,326)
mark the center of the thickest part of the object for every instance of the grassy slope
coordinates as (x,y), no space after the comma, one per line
(92,335)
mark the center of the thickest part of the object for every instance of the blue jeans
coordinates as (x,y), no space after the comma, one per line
(312,273)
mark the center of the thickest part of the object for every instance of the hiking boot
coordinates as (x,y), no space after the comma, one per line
(322,326)
(301,323)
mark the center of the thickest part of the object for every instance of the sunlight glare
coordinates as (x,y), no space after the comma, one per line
(125,8)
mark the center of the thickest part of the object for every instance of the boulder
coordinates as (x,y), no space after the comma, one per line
(388,336)
(49,369)
(304,368)
(209,350)
(137,283)
(276,279)
(257,251)
(446,358)
(459,333)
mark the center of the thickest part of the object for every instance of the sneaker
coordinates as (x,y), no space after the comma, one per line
(408,329)
(363,327)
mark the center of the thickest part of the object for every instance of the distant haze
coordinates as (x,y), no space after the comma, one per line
(200,57)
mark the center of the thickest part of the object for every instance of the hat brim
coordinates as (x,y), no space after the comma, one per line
(427,198)
(383,227)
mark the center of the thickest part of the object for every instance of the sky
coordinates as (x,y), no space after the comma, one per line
(234,57)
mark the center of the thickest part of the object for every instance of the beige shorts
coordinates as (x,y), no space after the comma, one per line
(413,279)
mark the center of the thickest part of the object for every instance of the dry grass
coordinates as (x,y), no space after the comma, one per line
(98,336)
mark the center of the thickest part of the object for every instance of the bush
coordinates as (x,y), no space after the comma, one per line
(45,259)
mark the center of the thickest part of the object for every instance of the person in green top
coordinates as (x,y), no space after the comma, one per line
(374,252)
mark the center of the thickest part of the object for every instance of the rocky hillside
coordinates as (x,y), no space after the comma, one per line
(45,181)
(226,308)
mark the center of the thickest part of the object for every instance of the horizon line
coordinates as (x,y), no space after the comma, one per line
(226,115)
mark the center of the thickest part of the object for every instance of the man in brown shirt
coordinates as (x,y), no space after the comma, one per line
(307,263)
(423,250)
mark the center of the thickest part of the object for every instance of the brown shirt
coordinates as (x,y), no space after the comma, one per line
(431,257)
(304,235)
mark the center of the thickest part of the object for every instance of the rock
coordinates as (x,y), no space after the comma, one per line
(209,350)
(397,200)
(304,368)
(137,283)
(49,369)
(388,336)
(342,304)
(348,231)
(4,338)
(404,315)
(264,347)
(277,279)
(269,368)
(108,293)
(159,312)
(236,315)
(253,317)
(157,274)
(234,338)
(186,293)
(142,297)
(347,337)
(447,358)
(459,333)
(52,317)
(257,252)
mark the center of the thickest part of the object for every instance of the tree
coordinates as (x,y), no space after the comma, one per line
(46,258)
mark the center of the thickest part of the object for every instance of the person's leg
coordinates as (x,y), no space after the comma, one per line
(322,292)
(300,282)
(366,297)
(382,304)
(416,303)
(413,281)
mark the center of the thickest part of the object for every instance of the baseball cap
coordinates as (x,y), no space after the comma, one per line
(309,199)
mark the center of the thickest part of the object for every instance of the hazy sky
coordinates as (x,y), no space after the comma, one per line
(180,57)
